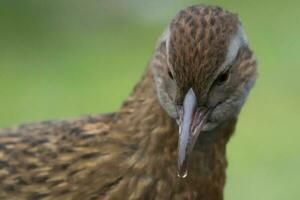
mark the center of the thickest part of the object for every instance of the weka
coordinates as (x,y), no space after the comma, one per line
(177,120)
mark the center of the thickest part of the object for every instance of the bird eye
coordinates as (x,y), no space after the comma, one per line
(170,74)
(222,78)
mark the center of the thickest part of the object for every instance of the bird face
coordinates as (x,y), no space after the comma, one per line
(203,72)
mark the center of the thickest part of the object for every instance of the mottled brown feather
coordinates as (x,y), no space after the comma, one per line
(126,155)
(198,47)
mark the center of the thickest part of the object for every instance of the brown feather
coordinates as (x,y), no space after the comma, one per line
(198,46)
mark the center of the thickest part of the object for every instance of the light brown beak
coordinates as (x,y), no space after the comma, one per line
(191,121)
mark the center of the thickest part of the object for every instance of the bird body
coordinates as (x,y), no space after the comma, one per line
(131,154)
(102,157)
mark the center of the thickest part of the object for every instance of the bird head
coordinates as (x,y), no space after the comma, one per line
(203,71)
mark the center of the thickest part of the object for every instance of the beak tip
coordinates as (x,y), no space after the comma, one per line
(182,169)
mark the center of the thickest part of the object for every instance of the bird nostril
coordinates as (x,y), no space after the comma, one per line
(170,74)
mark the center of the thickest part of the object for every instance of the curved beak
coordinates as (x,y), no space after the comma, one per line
(191,121)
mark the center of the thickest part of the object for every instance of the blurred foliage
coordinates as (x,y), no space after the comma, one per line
(64,58)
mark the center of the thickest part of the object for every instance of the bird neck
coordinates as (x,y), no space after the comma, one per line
(156,136)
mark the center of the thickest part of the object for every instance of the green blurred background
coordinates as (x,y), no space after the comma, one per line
(60,59)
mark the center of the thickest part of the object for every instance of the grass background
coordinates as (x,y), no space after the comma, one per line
(61,59)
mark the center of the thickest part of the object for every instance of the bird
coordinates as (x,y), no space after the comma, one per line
(168,139)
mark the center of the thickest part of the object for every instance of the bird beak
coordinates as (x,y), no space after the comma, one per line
(191,121)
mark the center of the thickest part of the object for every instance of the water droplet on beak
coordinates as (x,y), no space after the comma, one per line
(182,174)
(182,171)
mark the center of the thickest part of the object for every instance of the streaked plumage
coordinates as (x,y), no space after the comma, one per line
(132,154)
